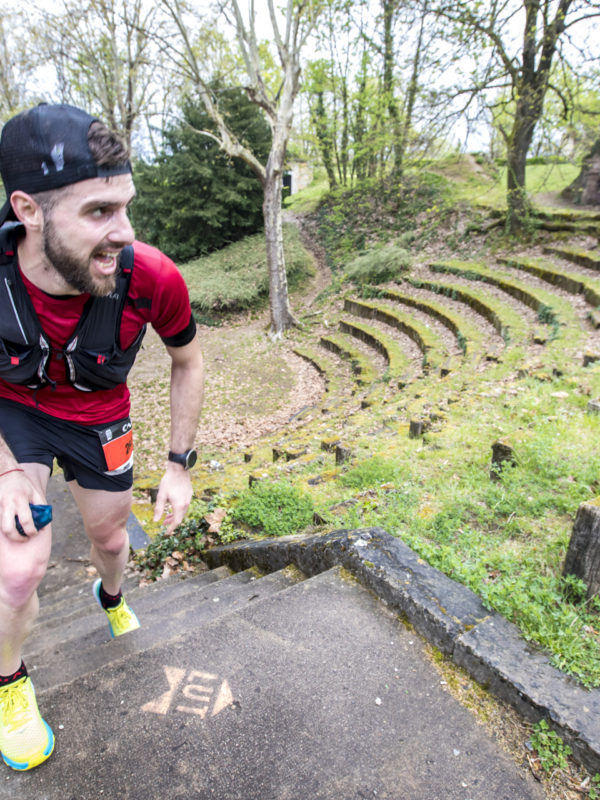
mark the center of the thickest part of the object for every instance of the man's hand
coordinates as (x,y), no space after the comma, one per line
(175,488)
(16,493)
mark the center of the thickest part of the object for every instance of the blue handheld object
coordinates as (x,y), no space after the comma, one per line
(42,515)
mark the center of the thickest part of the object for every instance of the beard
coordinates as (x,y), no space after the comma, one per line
(74,269)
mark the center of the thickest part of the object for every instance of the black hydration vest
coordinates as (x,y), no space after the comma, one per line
(93,357)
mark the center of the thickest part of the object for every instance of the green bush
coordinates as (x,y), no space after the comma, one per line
(194,199)
(278,509)
(378,266)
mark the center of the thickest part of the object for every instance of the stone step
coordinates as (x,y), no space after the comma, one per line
(163,618)
(570,226)
(507,323)
(343,346)
(584,258)
(549,272)
(336,379)
(430,345)
(399,366)
(78,600)
(315,692)
(90,619)
(469,338)
(537,300)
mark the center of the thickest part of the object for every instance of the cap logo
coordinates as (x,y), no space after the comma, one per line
(58,156)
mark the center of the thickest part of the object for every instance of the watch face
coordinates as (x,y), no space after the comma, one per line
(187,459)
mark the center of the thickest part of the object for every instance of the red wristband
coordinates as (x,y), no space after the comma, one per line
(8,471)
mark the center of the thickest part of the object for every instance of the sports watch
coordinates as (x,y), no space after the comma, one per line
(187,459)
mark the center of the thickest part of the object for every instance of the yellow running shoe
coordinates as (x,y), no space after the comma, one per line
(121,618)
(26,740)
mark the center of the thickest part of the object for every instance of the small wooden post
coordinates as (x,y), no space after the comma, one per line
(416,428)
(502,454)
(583,555)
(342,454)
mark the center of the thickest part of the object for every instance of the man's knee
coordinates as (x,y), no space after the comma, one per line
(20,579)
(110,542)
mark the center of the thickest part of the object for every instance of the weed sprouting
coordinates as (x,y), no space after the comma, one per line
(551,749)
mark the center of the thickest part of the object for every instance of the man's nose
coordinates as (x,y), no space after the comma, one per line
(121,229)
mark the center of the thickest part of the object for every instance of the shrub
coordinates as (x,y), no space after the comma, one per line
(378,266)
(193,198)
(278,509)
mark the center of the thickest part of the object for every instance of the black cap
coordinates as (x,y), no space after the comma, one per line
(45,148)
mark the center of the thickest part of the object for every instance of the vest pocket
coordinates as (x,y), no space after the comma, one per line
(19,363)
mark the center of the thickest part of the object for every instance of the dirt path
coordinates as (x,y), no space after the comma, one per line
(309,238)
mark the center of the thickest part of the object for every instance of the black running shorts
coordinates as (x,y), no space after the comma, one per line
(34,436)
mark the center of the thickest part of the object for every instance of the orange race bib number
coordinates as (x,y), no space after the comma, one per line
(117,445)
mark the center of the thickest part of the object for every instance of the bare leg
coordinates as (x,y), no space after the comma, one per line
(104,517)
(22,567)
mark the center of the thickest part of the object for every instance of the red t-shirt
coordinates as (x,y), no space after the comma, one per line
(160,287)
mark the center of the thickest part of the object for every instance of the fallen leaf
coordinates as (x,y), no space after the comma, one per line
(215,519)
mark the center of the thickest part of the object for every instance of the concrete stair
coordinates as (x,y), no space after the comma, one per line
(244,686)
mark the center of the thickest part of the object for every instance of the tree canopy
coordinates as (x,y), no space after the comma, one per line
(194,198)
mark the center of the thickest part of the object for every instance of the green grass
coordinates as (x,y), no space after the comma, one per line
(539,179)
(487,185)
(505,540)
(236,277)
(307,200)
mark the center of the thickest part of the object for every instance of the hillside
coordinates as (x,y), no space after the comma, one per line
(383,407)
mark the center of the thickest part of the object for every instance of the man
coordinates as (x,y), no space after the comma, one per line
(75,298)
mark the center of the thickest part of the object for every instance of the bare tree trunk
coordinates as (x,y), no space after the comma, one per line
(411,97)
(576,190)
(518,206)
(324,138)
(278,109)
(389,8)
(345,135)
(281,312)
(528,74)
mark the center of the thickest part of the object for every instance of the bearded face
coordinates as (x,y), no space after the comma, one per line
(85,228)
(75,268)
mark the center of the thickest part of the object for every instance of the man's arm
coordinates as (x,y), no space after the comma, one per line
(187,391)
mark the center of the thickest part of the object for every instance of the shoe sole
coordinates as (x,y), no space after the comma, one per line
(22,766)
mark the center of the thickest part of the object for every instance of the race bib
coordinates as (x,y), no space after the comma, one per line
(117,445)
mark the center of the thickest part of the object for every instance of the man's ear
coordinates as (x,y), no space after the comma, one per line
(27,210)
